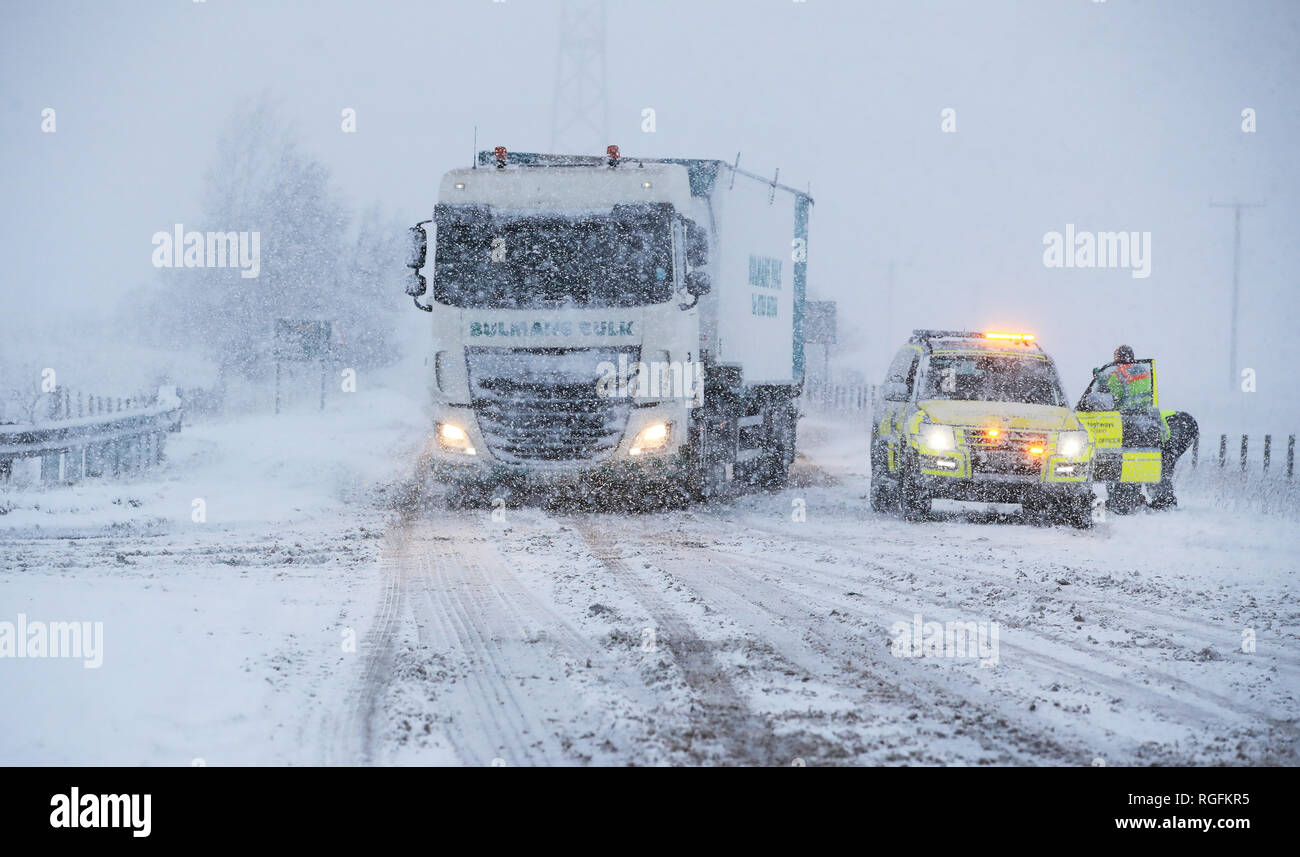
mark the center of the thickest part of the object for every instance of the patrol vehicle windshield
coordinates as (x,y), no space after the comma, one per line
(993,378)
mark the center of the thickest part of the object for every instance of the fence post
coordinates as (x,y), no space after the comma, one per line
(1243,453)
(1196,449)
(1268,449)
(50,467)
(73,464)
(1223,449)
(1290,456)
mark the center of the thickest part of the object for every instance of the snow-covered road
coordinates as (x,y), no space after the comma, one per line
(764,631)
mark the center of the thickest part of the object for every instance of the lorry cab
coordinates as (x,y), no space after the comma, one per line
(1128,429)
(974,416)
(606,320)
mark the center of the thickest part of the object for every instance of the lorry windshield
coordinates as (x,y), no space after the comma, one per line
(530,263)
(993,378)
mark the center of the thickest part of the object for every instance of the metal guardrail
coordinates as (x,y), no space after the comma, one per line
(824,397)
(107,443)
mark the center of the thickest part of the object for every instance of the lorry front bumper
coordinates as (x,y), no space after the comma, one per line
(615,465)
(667,467)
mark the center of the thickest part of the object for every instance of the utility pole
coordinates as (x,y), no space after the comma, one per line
(1233,369)
(580,114)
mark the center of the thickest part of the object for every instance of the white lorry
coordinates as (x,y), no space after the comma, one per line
(612,320)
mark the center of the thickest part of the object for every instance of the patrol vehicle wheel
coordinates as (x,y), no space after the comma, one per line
(1123,498)
(881,485)
(1075,511)
(912,498)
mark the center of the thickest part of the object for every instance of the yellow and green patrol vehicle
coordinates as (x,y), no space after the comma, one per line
(981,417)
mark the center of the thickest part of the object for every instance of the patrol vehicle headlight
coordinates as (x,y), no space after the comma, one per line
(454,438)
(1071,444)
(938,437)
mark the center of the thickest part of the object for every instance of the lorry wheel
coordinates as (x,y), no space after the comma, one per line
(773,473)
(460,496)
(912,498)
(713,450)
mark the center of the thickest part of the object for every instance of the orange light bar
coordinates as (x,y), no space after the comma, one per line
(1036,450)
(992,432)
(1027,337)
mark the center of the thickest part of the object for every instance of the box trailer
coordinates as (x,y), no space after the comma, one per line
(613,319)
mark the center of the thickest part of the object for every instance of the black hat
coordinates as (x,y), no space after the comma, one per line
(1124,354)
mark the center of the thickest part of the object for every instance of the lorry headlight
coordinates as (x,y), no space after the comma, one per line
(1071,444)
(652,437)
(938,437)
(455,438)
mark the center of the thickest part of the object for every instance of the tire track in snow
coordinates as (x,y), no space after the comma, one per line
(852,661)
(529,687)
(1125,614)
(454,613)
(718,708)
(1131,612)
(1192,705)
(350,738)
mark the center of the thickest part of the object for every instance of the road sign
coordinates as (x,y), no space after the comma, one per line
(306,340)
(819,322)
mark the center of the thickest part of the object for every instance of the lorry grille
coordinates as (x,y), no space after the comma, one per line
(544,406)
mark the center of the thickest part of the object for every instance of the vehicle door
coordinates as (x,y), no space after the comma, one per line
(1127,432)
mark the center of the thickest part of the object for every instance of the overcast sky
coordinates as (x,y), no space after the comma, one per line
(1118,115)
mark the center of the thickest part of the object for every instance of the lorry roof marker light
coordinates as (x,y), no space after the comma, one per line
(1035,450)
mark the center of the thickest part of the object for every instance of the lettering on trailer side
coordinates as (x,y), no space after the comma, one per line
(765,272)
(551,329)
(764,305)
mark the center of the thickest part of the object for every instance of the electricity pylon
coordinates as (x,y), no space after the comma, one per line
(580,114)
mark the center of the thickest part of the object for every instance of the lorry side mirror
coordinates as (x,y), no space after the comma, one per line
(697,284)
(419,248)
(416,284)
